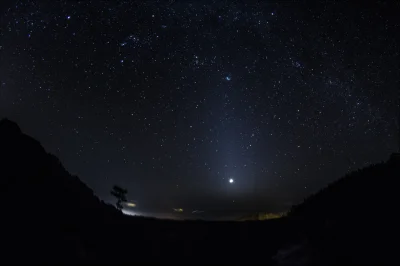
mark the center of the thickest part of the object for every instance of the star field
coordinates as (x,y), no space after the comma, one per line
(204,104)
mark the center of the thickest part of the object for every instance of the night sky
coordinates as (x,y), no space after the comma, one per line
(172,99)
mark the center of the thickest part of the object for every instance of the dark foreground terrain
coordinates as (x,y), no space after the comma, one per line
(50,216)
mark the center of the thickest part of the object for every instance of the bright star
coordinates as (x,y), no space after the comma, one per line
(231,181)
(69,17)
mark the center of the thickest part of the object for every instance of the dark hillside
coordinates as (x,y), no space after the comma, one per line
(44,208)
(354,219)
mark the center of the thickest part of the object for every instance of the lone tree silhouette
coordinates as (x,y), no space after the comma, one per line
(120,194)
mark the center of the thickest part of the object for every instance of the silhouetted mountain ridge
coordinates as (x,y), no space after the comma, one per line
(24,161)
(354,219)
(38,193)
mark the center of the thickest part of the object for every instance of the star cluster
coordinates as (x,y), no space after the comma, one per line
(201,104)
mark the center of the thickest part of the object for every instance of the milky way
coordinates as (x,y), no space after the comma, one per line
(172,99)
